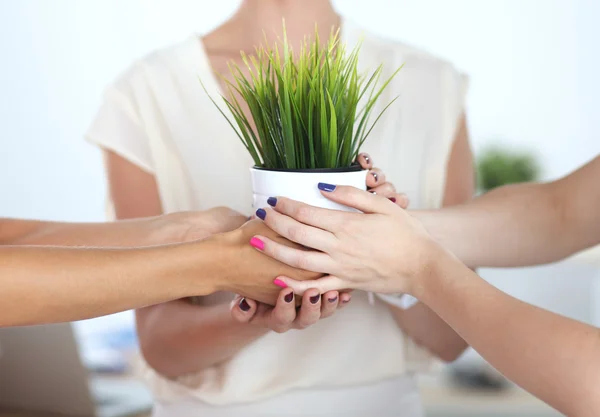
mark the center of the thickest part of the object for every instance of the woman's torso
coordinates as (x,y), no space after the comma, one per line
(199,163)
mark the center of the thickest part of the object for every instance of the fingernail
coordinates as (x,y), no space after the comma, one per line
(345,301)
(393,199)
(280,283)
(289,297)
(261,214)
(257,243)
(244,306)
(332,300)
(373,192)
(272,201)
(374,174)
(315,299)
(326,187)
(367,159)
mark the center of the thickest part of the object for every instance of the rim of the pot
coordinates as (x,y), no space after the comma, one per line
(352,168)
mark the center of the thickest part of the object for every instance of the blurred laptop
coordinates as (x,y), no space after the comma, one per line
(41,371)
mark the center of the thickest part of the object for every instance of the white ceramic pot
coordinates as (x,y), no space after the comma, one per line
(302,185)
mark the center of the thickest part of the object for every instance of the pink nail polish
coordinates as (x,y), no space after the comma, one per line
(257,243)
(280,283)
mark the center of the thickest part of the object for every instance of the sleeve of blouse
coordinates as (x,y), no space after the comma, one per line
(118,126)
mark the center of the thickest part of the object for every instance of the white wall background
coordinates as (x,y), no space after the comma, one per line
(534,68)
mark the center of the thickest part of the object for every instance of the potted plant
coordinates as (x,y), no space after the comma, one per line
(306,121)
(498,166)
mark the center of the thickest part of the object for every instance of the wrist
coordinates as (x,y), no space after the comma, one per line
(205,265)
(438,273)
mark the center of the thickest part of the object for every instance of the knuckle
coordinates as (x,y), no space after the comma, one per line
(303,213)
(303,262)
(296,233)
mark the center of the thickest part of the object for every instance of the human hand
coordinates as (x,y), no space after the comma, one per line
(285,316)
(194,225)
(382,250)
(377,184)
(251,273)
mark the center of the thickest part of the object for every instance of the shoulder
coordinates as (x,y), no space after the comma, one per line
(159,63)
(393,52)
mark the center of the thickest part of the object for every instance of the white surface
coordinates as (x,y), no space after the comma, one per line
(301,186)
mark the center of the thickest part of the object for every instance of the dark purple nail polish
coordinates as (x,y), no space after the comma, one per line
(326,187)
(374,174)
(373,192)
(332,300)
(289,297)
(244,305)
(261,214)
(272,201)
(367,159)
(393,199)
(345,301)
(315,299)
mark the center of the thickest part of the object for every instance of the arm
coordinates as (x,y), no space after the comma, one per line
(176,338)
(51,284)
(526,224)
(419,322)
(555,358)
(172,228)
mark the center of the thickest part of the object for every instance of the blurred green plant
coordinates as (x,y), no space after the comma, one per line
(305,109)
(499,166)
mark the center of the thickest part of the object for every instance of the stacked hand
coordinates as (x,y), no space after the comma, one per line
(317,301)
(383,250)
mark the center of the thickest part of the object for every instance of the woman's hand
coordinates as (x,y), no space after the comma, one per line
(376,182)
(383,250)
(285,316)
(192,225)
(251,273)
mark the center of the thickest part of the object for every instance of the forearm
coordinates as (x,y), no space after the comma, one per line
(43,284)
(428,330)
(180,338)
(117,234)
(555,358)
(511,226)
(525,224)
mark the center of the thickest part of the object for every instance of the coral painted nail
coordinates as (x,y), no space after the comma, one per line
(280,283)
(257,243)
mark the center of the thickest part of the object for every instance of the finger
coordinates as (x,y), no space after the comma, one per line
(313,216)
(353,197)
(307,260)
(295,231)
(310,310)
(386,190)
(375,177)
(400,200)
(345,298)
(329,303)
(243,310)
(284,312)
(323,285)
(365,161)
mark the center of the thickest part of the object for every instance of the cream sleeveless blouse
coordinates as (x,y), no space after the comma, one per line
(157,116)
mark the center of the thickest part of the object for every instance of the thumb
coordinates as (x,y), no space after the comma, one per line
(325,284)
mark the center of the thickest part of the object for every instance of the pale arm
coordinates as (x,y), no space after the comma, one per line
(420,323)
(555,358)
(526,224)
